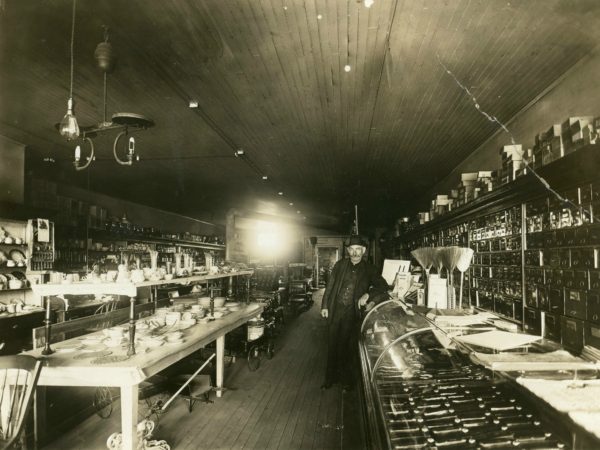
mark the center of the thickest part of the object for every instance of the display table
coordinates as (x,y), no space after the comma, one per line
(66,369)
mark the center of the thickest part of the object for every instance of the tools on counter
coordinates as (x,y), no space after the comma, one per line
(447,404)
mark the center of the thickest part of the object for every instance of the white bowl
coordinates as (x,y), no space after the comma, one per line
(184,324)
(15,284)
(220,301)
(113,342)
(204,302)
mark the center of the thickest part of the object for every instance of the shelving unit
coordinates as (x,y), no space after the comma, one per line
(84,253)
(536,260)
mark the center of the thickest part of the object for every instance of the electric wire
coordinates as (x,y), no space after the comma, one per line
(563,200)
(72,48)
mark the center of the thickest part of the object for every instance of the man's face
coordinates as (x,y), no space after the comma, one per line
(356,253)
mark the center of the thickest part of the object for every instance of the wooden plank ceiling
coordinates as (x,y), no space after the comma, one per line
(270,78)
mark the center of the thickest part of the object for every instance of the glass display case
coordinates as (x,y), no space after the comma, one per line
(424,392)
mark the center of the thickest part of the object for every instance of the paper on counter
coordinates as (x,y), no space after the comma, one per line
(551,361)
(563,397)
(498,340)
(588,420)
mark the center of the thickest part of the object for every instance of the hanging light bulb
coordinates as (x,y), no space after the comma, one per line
(69,127)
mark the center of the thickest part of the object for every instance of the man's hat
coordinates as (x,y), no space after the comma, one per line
(356,240)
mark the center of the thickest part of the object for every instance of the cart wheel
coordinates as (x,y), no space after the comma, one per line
(270,350)
(253,358)
(103,402)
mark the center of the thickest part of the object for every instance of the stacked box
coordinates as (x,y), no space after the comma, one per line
(439,205)
(423,217)
(573,131)
(512,161)
(549,147)
(468,182)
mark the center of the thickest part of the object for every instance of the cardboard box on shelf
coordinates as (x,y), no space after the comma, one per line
(572,126)
(552,149)
(469,177)
(512,152)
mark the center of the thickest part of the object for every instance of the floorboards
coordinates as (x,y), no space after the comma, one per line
(278,406)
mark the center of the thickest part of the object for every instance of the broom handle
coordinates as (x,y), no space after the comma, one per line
(462,275)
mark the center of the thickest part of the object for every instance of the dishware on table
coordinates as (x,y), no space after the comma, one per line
(204,302)
(220,301)
(113,341)
(14,283)
(67,347)
(17,255)
(184,324)
(172,317)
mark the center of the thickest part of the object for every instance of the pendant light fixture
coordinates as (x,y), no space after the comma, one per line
(69,127)
(123,121)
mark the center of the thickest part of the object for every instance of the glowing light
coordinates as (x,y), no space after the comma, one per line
(369,3)
(347,68)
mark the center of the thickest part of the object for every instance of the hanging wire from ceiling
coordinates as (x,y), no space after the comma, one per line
(72,47)
(563,200)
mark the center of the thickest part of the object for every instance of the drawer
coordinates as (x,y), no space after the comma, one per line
(569,237)
(580,279)
(543,300)
(552,258)
(532,321)
(568,278)
(552,327)
(583,258)
(585,194)
(564,258)
(575,303)
(557,278)
(582,236)
(549,239)
(593,306)
(594,277)
(556,301)
(571,334)
(593,235)
(531,296)
(535,240)
(592,334)
(518,310)
(533,258)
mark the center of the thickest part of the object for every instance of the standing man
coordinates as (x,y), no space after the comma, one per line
(350,284)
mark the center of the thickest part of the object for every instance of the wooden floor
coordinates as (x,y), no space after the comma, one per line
(280,405)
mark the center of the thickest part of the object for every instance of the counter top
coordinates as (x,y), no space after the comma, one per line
(5,315)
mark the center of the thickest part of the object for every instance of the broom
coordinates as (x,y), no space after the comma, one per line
(464,261)
(450,256)
(424,257)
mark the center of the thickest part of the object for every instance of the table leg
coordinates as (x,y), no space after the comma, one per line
(131,348)
(129,412)
(220,364)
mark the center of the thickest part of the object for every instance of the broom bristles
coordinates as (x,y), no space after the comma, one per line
(424,256)
(464,261)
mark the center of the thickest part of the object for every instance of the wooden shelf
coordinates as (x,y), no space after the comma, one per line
(573,169)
